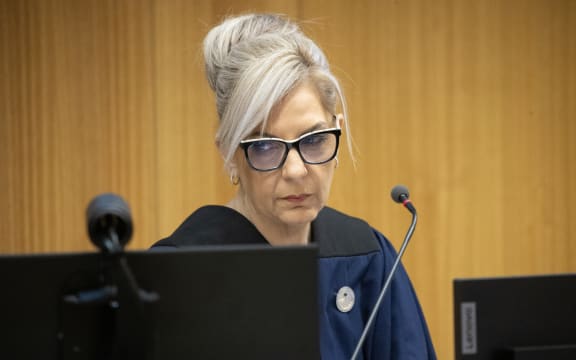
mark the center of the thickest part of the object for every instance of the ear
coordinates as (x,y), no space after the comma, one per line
(232,165)
(217,143)
(340,120)
(219,148)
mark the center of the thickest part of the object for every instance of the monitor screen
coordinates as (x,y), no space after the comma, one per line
(520,318)
(249,302)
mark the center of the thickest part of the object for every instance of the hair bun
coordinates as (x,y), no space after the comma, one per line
(222,39)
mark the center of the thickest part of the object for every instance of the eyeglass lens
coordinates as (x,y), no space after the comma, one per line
(314,149)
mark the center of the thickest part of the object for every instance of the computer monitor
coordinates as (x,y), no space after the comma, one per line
(249,302)
(520,318)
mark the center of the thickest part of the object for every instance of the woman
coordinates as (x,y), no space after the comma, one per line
(279,134)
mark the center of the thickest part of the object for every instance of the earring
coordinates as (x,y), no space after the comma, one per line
(335,166)
(234,179)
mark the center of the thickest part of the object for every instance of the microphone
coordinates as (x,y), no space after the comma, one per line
(109,222)
(400,194)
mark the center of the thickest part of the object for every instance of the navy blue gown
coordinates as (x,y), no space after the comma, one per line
(354,262)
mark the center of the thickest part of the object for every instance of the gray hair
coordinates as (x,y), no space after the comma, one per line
(252,62)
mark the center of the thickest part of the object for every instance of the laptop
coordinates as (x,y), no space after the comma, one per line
(232,302)
(515,318)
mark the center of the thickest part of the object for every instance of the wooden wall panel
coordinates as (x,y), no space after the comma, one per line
(187,158)
(469,103)
(76,118)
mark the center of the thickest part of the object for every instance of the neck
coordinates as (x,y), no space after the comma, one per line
(276,234)
(287,237)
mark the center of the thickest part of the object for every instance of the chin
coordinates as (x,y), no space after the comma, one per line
(299,215)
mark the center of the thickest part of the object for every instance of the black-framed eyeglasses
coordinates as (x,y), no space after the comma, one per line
(316,147)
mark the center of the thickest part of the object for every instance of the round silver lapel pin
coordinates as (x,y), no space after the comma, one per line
(345,299)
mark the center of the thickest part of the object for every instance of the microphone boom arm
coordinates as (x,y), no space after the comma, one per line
(388,279)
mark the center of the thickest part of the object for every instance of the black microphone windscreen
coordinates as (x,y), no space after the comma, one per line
(108,212)
(398,191)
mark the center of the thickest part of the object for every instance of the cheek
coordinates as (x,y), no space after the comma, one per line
(260,188)
(323,179)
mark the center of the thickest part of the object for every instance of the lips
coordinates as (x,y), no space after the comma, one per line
(296,198)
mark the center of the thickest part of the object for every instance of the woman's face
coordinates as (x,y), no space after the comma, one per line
(293,194)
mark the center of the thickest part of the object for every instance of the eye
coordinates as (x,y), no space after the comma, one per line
(315,139)
(263,146)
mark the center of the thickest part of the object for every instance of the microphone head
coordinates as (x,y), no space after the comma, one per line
(105,213)
(399,193)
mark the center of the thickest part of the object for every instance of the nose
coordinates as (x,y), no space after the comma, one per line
(294,166)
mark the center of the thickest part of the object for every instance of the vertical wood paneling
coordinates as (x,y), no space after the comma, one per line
(470,103)
(77,118)
(187,157)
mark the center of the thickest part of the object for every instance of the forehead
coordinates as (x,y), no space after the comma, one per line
(299,112)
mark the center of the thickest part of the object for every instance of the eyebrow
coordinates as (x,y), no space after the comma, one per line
(318,126)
